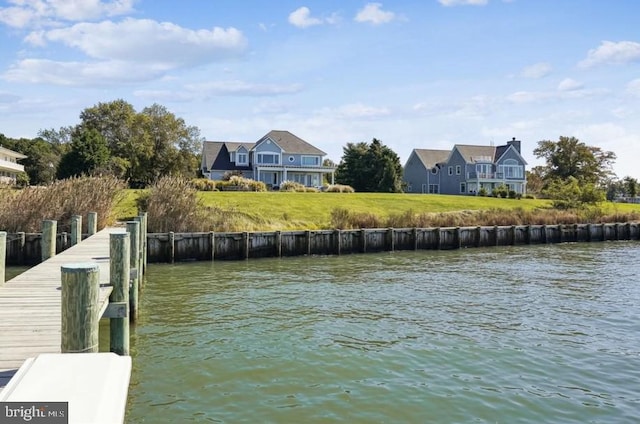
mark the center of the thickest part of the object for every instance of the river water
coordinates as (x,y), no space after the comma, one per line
(502,335)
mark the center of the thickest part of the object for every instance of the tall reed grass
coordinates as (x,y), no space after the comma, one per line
(24,210)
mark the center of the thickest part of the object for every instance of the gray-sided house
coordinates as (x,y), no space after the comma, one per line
(278,156)
(466,169)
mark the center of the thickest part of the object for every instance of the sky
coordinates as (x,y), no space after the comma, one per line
(422,74)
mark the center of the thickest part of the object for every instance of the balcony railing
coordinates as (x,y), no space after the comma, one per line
(485,175)
(5,165)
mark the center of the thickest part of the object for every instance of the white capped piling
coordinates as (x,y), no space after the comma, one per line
(133,228)
(119,276)
(80,309)
(92,223)
(76,229)
(3,255)
(48,242)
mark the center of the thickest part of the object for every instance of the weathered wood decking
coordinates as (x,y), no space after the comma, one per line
(30,308)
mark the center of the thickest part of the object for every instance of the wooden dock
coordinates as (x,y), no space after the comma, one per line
(30,304)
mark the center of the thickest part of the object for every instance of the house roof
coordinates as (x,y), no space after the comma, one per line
(291,143)
(473,153)
(215,155)
(431,157)
(12,153)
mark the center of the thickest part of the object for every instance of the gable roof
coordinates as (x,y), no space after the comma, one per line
(431,157)
(291,143)
(472,153)
(215,155)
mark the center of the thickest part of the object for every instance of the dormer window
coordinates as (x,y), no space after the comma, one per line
(242,159)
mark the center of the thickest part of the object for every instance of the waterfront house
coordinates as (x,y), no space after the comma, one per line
(466,169)
(9,166)
(276,157)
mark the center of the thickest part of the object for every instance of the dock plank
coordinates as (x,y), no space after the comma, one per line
(30,309)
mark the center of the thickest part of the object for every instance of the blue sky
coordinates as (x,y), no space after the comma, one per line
(414,74)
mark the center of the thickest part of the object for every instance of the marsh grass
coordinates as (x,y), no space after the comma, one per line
(24,210)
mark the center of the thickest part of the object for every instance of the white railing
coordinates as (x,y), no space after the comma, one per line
(5,165)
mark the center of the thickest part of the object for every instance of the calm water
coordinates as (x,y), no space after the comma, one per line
(529,335)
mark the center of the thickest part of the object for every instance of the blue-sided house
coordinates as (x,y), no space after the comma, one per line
(466,169)
(278,156)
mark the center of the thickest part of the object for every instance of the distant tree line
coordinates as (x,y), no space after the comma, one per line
(113,139)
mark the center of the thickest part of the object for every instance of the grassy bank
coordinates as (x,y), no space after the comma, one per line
(263,211)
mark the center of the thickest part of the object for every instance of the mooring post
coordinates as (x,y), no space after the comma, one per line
(278,246)
(415,238)
(172,246)
(76,229)
(92,223)
(3,255)
(363,240)
(119,276)
(80,309)
(48,242)
(337,242)
(140,219)
(307,236)
(478,236)
(133,228)
(145,222)
(212,245)
(390,240)
(245,245)
(458,242)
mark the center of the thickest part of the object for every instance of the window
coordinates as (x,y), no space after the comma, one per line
(310,160)
(242,159)
(511,169)
(409,188)
(269,158)
(451,170)
(458,169)
(463,187)
(434,188)
(484,170)
(434,170)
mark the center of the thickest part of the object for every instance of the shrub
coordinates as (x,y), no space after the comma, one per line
(340,188)
(239,183)
(482,192)
(292,186)
(203,184)
(512,194)
(227,175)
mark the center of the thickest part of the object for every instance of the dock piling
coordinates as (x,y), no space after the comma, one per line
(76,229)
(119,270)
(133,228)
(80,309)
(3,255)
(48,243)
(92,223)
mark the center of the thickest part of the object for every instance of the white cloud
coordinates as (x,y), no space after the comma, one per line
(569,84)
(41,71)
(301,18)
(536,71)
(610,52)
(373,13)
(242,88)
(35,13)
(354,111)
(463,2)
(147,41)
(633,87)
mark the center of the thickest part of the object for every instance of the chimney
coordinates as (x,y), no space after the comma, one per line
(515,143)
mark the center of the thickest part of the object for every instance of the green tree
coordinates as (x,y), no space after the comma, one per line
(572,194)
(42,157)
(370,168)
(89,153)
(630,186)
(569,157)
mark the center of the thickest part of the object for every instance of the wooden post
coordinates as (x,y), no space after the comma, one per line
(76,229)
(140,219)
(363,240)
(145,222)
(478,236)
(172,246)
(22,240)
(458,236)
(80,309)
(496,231)
(528,234)
(337,241)
(48,242)
(438,238)
(415,238)
(92,223)
(589,232)
(245,245)
(390,240)
(133,228)
(307,237)
(212,245)
(278,246)
(628,230)
(119,275)
(513,235)
(545,234)
(3,255)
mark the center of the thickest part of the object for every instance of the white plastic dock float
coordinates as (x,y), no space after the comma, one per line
(94,384)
